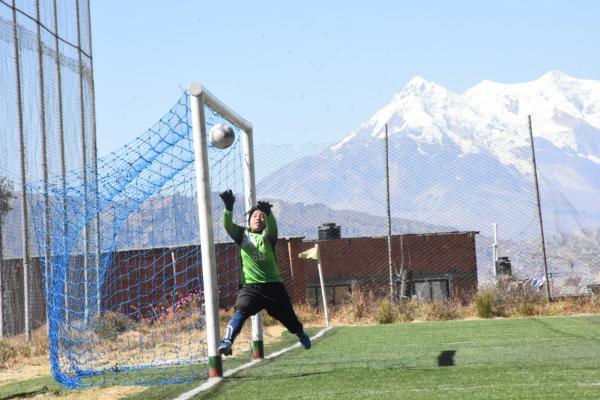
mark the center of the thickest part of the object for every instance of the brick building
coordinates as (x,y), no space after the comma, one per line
(437,267)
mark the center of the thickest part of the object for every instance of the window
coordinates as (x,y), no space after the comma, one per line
(432,290)
(336,294)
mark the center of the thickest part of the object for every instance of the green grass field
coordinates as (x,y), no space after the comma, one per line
(533,358)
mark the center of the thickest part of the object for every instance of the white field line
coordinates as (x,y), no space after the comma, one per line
(211,382)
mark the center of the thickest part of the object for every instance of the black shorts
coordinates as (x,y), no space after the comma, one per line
(271,297)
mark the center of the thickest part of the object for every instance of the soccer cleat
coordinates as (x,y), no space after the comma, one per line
(304,340)
(225,348)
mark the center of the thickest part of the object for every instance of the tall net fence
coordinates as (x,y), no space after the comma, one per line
(444,201)
(46,132)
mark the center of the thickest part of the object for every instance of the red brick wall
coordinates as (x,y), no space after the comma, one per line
(365,260)
(151,277)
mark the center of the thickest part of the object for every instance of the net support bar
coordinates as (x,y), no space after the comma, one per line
(199,97)
(209,273)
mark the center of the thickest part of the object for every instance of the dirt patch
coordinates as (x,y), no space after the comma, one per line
(115,392)
(34,368)
(23,369)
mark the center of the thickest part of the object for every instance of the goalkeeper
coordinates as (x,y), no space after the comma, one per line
(261,286)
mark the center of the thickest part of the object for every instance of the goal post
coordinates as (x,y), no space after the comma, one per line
(167,269)
(199,97)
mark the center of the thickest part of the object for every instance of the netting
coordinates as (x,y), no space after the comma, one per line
(132,309)
(125,291)
(448,185)
(46,129)
(116,249)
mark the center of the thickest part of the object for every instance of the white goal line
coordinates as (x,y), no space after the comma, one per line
(211,382)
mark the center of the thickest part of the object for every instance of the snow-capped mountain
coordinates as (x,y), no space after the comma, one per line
(464,160)
(564,109)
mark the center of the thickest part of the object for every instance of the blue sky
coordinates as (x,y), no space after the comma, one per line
(312,71)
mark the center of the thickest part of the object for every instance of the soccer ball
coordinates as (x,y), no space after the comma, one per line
(221,136)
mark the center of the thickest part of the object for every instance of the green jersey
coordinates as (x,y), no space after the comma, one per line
(257,250)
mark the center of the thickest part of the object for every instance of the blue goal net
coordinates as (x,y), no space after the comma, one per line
(120,257)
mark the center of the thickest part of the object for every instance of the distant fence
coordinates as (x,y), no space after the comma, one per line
(13,296)
(435,186)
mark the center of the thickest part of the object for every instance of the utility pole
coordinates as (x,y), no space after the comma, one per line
(539,209)
(389,216)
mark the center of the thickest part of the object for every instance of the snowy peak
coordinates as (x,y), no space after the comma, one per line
(421,108)
(557,103)
(492,117)
(448,150)
(556,78)
(422,90)
(426,112)
(418,86)
(412,109)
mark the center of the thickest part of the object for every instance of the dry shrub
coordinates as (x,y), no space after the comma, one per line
(407,310)
(360,304)
(14,350)
(485,304)
(526,309)
(440,311)
(109,324)
(511,292)
(357,307)
(7,352)
(38,346)
(571,306)
(386,312)
(309,315)
(509,297)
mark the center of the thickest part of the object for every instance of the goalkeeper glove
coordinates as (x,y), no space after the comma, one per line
(228,199)
(265,207)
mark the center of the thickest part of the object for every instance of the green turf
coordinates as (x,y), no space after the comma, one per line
(172,391)
(38,386)
(534,358)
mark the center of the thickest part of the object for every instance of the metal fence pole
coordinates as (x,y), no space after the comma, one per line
(389,215)
(1,281)
(539,209)
(63,161)
(86,250)
(47,244)
(94,164)
(24,205)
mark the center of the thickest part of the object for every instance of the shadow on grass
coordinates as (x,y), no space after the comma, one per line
(446,358)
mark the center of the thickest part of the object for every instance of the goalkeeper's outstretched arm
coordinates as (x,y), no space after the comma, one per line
(236,232)
(270,222)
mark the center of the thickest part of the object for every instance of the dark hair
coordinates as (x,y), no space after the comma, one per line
(250,213)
